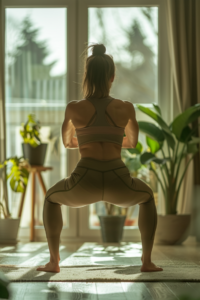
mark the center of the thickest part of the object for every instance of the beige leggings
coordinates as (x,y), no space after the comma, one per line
(92,181)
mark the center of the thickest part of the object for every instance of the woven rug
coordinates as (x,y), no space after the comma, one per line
(97,263)
(102,274)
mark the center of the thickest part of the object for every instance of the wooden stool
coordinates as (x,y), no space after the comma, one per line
(34,170)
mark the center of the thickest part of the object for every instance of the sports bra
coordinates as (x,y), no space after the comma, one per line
(100,130)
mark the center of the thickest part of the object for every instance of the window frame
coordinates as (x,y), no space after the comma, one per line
(164,75)
(72,156)
(77,34)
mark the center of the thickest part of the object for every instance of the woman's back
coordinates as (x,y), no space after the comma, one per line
(82,113)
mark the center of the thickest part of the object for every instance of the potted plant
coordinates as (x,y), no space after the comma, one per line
(33,149)
(17,174)
(112,224)
(180,140)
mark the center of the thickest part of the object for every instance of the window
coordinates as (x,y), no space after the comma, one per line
(43,71)
(131,37)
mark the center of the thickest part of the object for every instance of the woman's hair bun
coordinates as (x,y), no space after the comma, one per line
(98,49)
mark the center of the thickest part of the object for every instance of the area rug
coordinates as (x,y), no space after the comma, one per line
(102,274)
(104,263)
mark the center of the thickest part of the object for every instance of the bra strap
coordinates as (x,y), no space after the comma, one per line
(110,118)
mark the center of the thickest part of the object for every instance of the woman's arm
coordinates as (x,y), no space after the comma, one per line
(132,128)
(126,144)
(68,129)
(74,143)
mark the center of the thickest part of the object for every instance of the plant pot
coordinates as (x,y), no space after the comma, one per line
(172,229)
(9,230)
(112,228)
(35,156)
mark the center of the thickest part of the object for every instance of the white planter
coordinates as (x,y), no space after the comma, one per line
(172,229)
(9,230)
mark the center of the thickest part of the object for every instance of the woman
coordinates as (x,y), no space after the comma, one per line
(99,121)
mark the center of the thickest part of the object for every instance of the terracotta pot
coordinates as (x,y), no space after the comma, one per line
(172,229)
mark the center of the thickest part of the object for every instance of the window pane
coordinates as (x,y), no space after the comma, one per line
(131,36)
(36,84)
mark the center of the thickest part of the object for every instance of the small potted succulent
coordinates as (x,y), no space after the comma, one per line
(33,149)
(181,140)
(17,174)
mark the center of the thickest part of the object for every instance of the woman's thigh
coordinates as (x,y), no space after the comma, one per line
(123,190)
(81,188)
(85,186)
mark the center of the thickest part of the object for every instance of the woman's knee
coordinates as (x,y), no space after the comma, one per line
(149,196)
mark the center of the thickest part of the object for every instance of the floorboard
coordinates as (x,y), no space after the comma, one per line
(179,289)
(136,290)
(38,253)
(159,290)
(111,291)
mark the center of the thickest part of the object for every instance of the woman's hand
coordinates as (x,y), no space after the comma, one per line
(126,143)
(74,143)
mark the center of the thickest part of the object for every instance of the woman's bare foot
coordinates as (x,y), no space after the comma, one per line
(50,267)
(150,267)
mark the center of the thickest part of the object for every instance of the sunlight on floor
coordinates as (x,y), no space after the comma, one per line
(36,260)
(7,248)
(32,247)
(14,254)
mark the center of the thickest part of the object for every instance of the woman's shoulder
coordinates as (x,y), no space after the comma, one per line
(121,101)
(84,101)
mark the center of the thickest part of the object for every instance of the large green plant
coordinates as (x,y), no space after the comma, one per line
(30,131)
(180,140)
(17,174)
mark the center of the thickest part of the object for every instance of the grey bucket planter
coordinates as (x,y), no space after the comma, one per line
(172,229)
(9,230)
(35,156)
(112,228)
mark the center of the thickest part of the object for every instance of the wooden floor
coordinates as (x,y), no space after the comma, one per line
(37,253)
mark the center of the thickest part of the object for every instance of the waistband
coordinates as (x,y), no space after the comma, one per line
(101,165)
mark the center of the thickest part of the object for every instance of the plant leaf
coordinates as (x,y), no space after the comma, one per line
(155,116)
(152,131)
(133,164)
(137,149)
(157,108)
(169,139)
(185,118)
(12,183)
(153,145)
(185,134)
(147,157)
(192,148)
(194,140)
